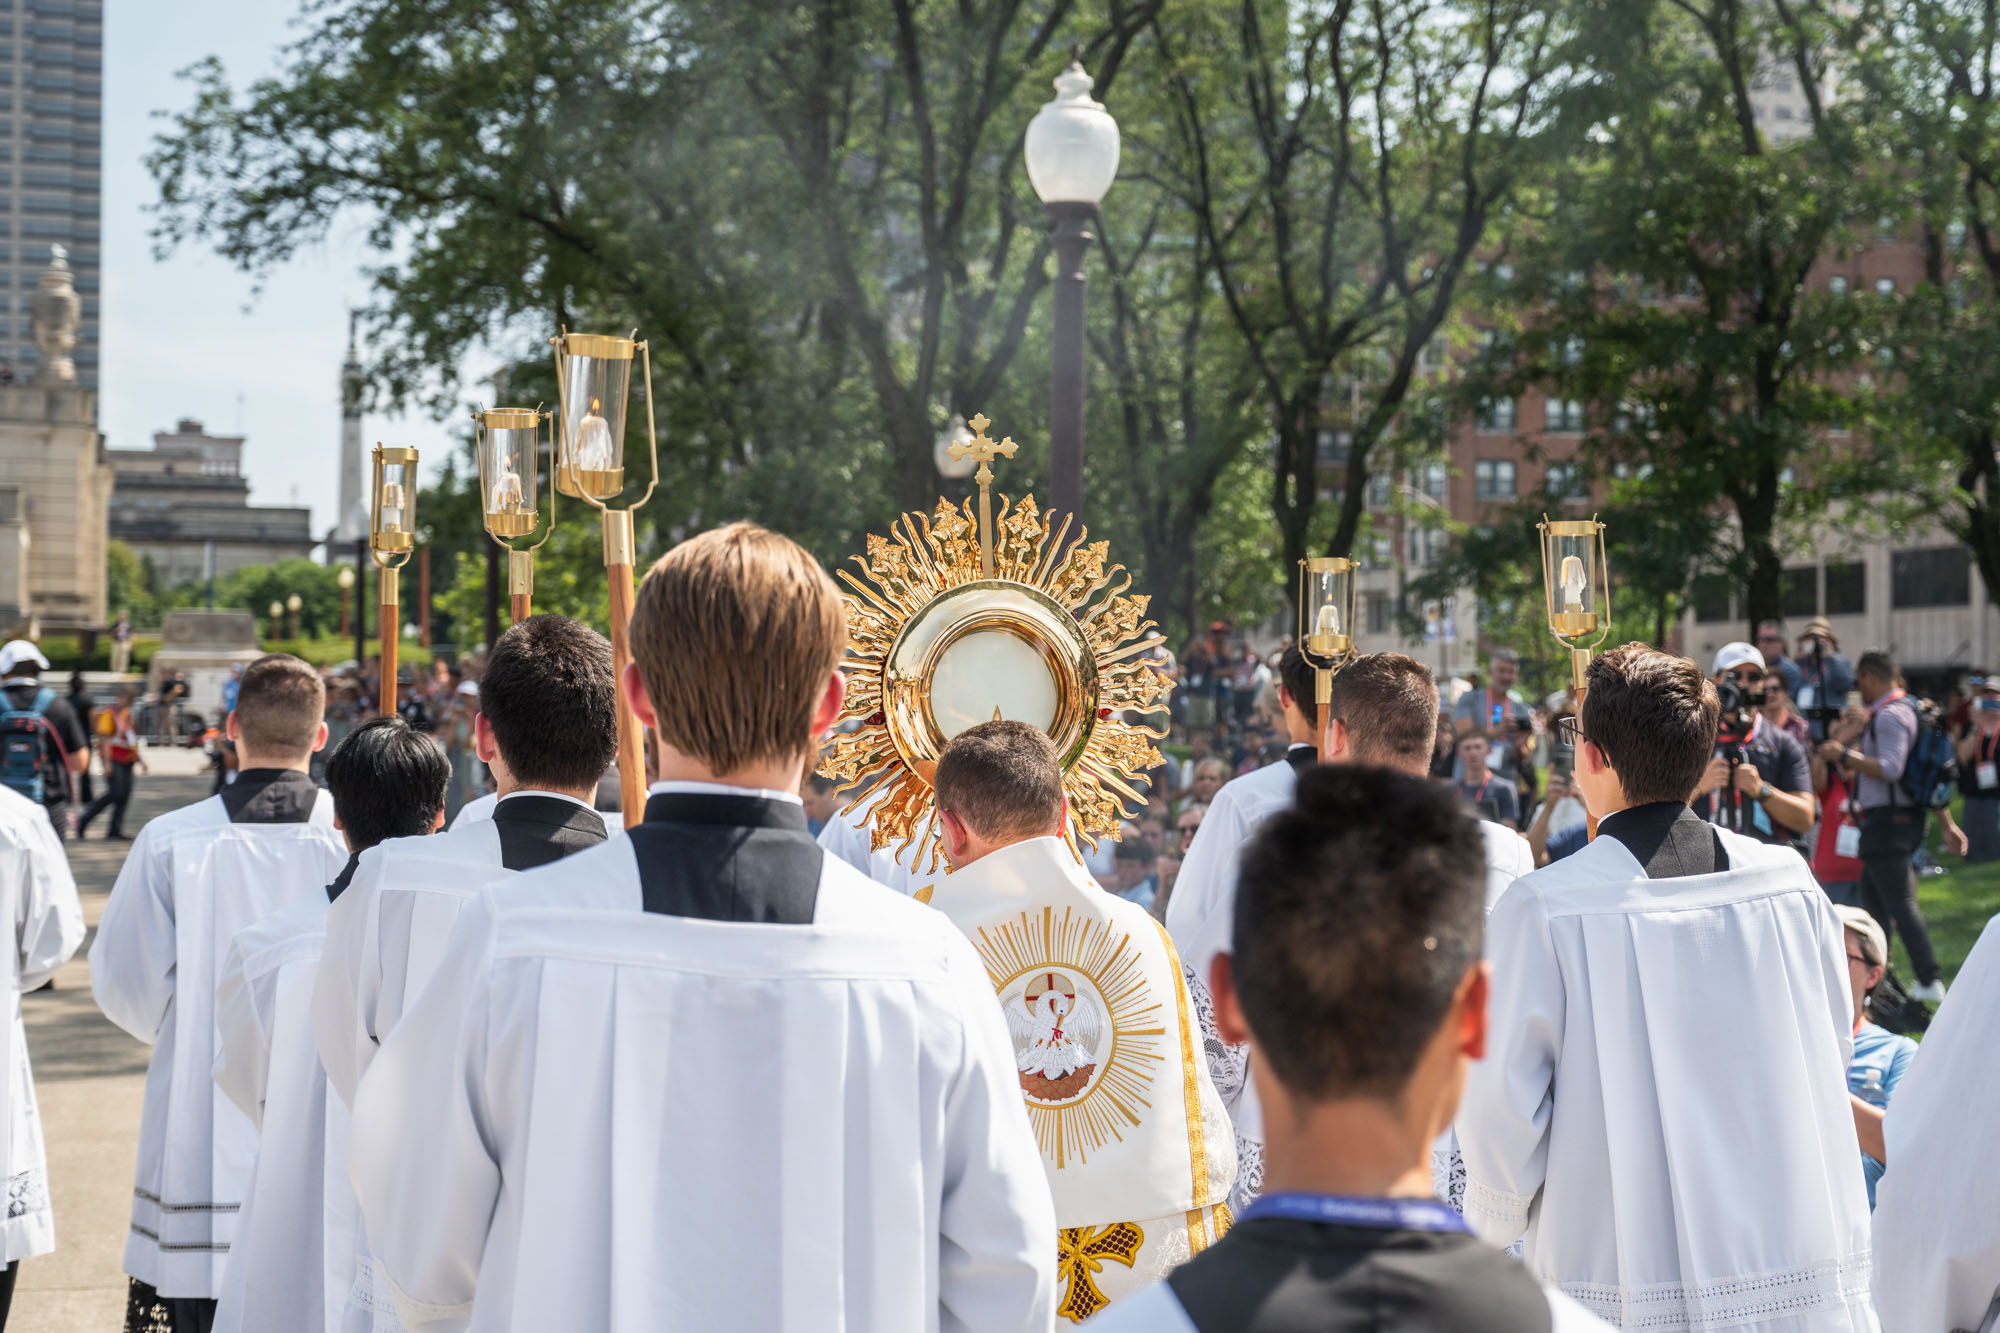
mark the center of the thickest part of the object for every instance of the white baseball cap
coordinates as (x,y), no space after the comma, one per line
(18,651)
(1732,655)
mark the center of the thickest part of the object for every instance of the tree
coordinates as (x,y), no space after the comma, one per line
(1344,162)
(1664,280)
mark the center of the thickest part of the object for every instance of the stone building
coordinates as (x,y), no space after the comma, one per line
(187,495)
(55,480)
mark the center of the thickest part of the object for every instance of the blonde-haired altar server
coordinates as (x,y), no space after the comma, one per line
(1107,1047)
(706,1076)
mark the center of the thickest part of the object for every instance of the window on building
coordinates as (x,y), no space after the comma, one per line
(1846,588)
(1885,286)
(1563,416)
(1493,479)
(1798,592)
(1379,486)
(1837,285)
(1496,416)
(1930,576)
(10,504)
(1954,234)
(1710,595)
(1381,613)
(1434,545)
(1565,481)
(1333,447)
(1436,477)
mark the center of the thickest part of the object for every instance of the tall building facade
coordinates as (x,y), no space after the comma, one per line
(185,503)
(51,147)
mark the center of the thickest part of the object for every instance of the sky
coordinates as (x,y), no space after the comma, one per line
(187,336)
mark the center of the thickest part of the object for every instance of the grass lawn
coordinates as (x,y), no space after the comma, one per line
(1956,906)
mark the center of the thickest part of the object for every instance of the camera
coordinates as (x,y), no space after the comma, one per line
(1739,716)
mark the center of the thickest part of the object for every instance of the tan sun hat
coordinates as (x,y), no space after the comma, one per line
(1874,943)
(1819,625)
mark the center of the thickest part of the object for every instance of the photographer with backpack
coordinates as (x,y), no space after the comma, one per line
(1896,771)
(42,744)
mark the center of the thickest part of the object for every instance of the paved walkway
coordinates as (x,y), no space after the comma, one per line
(91,1078)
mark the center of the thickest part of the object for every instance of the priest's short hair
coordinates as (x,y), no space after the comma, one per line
(736,634)
(1300,680)
(1003,779)
(387,780)
(1388,705)
(280,702)
(551,697)
(1653,717)
(1359,910)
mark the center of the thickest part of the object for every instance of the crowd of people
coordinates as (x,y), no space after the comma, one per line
(1323,1041)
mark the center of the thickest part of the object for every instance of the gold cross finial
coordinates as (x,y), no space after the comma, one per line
(984,451)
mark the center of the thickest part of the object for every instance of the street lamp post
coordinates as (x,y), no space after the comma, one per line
(277,609)
(293,605)
(1072,157)
(346,581)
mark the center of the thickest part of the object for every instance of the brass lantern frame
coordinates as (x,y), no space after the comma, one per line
(520,556)
(1572,628)
(1326,654)
(384,546)
(598,487)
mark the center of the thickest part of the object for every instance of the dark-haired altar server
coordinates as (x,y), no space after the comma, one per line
(548,727)
(43,927)
(293,1264)
(1664,1112)
(193,879)
(706,1076)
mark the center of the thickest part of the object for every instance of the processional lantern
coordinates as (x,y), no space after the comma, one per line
(508,444)
(594,379)
(392,529)
(1576,584)
(1326,622)
(966,616)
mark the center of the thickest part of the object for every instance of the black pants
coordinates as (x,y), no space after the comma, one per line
(117,795)
(7,1276)
(146,1311)
(1889,836)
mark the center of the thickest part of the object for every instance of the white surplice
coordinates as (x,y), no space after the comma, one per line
(1663,1107)
(1201,917)
(38,900)
(293,1262)
(476,809)
(1937,1222)
(847,836)
(636,1121)
(1137,1147)
(190,882)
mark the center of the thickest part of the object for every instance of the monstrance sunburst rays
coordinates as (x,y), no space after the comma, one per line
(936,580)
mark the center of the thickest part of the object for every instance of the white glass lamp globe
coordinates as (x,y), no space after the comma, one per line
(1072,144)
(955,469)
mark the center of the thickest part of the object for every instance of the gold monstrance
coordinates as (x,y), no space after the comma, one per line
(956,621)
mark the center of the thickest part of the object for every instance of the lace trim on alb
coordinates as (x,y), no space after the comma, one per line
(1486,1201)
(1669,1307)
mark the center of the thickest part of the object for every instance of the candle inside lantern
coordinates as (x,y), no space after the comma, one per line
(506,491)
(593,442)
(1329,620)
(1574,583)
(392,506)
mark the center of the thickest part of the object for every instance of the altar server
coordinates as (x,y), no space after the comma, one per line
(194,877)
(1385,714)
(1356,978)
(1134,1139)
(548,727)
(293,1263)
(706,1076)
(44,926)
(1937,1228)
(1664,1110)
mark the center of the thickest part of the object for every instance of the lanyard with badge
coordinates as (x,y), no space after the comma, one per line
(1347,1210)
(1985,774)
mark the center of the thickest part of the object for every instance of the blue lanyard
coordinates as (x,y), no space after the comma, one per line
(1349,1211)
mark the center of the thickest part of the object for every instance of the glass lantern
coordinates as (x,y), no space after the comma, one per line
(392,523)
(507,441)
(1326,618)
(594,375)
(1071,147)
(1574,577)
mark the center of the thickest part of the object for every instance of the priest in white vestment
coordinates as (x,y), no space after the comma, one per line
(293,1264)
(193,878)
(1937,1224)
(706,1076)
(1137,1147)
(899,865)
(1663,1109)
(548,727)
(1383,713)
(38,902)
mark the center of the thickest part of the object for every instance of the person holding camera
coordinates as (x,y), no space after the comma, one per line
(1759,781)
(1892,827)
(1979,775)
(1825,677)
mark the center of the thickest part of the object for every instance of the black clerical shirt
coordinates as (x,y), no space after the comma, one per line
(1668,839)
(270,796)
(721,857)
(536,830)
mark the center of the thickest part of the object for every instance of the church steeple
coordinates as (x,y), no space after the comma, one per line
(353,513)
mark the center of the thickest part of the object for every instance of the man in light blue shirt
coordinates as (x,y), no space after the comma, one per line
(1880,1056)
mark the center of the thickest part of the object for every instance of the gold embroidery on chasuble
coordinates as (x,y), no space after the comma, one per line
(1089,1035)
(1081,1253)
(1191,1075)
